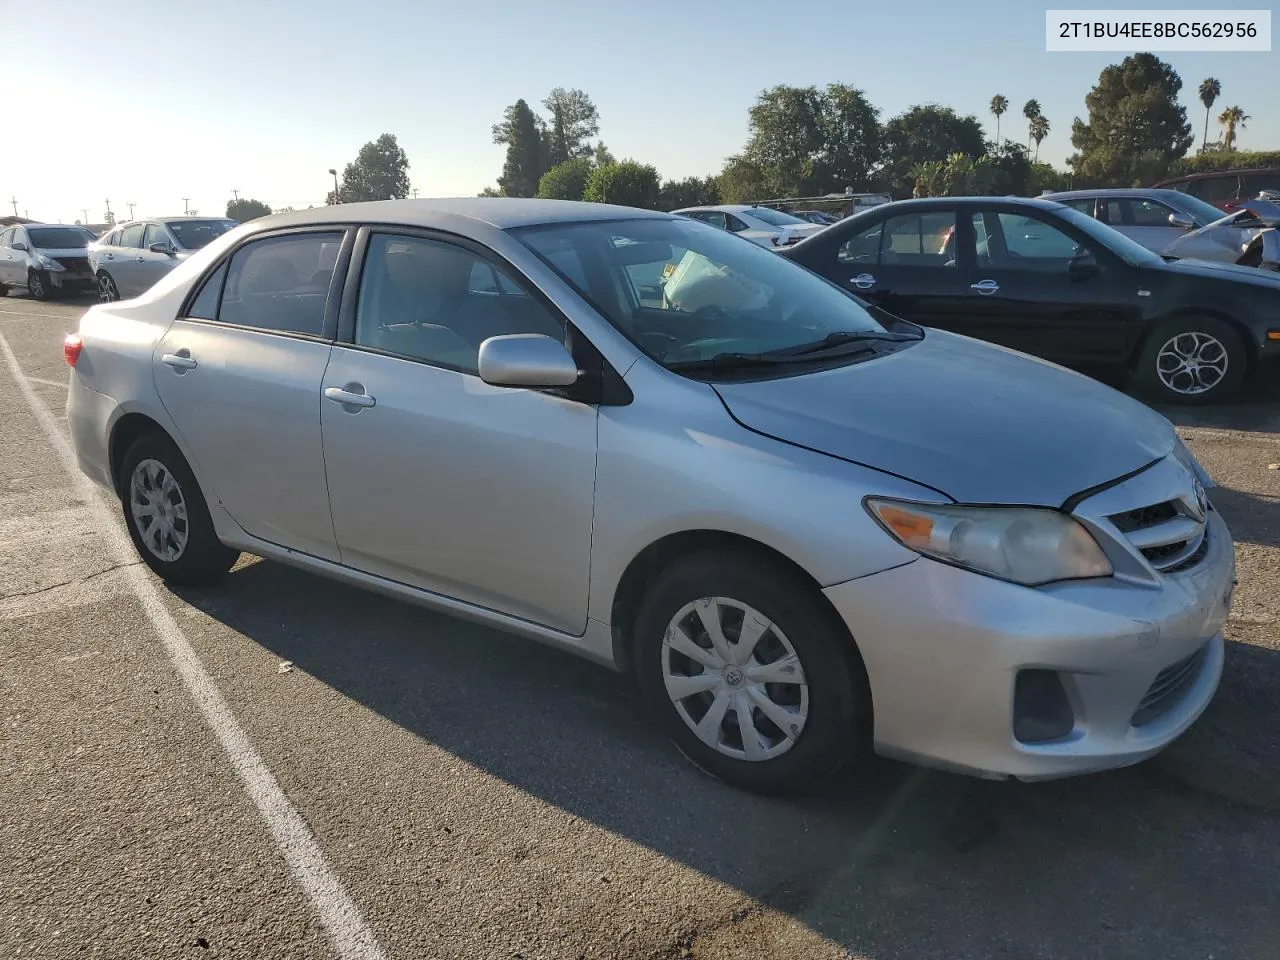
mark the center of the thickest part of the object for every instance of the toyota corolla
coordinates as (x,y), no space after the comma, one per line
(805,525)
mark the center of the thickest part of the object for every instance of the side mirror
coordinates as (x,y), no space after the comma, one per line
(1181,221)
(1082,266)
(161,247)
(527,360)
(20,246)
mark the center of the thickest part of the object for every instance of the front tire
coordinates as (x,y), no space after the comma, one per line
(167,516)
(750,675)
(37,285)
(108,292)
(1192,360)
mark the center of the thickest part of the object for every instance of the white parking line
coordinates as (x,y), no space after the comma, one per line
(351,935)
(50,383)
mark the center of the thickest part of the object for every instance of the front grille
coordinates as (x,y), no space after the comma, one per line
(1165,533)
(76,264)
(1170,686)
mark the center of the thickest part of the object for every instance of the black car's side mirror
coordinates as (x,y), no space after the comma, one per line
(1082,266)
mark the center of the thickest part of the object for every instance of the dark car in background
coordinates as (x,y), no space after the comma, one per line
(1226,188)
(1048,280)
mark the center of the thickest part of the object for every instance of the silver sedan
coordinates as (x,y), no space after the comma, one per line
(806,526)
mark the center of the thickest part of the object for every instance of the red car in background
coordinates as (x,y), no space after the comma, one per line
(1224,189)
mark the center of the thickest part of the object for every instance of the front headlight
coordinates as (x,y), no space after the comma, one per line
(1025,545)
(48,262)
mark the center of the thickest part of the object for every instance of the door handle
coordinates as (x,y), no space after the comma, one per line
(985,287)
(863,281)
(182,360)
(352,395)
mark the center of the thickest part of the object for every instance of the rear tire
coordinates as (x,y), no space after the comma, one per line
(801,682)
(167,516)
(1192,360)
(37,285)
(108,292)
(4,291)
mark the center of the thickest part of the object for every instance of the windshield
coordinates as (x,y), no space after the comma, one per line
(58,238)
(1203,213)
(194,234)
(775,218)
(685,292)
(1130,251)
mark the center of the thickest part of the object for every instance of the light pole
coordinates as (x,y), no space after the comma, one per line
(130,204)
(336,198)
(186,210)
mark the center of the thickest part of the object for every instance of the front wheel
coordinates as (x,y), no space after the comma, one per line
(167,516)
(107,290)
(1195,360)
(747,673)
(37,285)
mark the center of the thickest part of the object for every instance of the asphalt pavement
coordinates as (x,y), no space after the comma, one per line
(474,795)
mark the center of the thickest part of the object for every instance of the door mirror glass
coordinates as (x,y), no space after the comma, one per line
(526,360)
(20,246)
(1181,221)
(1082,265)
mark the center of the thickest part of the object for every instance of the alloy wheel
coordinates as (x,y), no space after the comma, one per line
(35,285)
(107,291)
(1191,363)
(735,679)
(159,510)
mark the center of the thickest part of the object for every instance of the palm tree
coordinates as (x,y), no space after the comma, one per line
(1231,118)
(1039,130)
(1210,90)
(999,104)
(1030,110)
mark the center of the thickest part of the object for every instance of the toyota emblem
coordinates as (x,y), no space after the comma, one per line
(1202,501)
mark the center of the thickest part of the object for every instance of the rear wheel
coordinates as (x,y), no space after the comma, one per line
(747,673)
(167,516)
(37,285)
(107,290)
(1192,360)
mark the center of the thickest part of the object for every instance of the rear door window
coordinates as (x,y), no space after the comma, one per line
(919,239)
(1147,213)
(281,284)
(1215,189)
(1255,183)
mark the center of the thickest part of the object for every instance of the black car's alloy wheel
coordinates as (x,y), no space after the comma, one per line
(1192,361)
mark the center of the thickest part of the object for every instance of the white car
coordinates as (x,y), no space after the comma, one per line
(763,225)
(1250,236)
(1157,219)
(46,258)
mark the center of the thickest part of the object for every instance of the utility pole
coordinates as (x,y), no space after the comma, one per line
(415,193)
(85,211)
(185,208)
(235,193)
(336,198)
(108,203)
(130,204)
(14,201)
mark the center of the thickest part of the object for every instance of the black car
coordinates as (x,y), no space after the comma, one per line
(1042,278)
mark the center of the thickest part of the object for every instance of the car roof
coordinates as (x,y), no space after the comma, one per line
(726,207)
(1112,192)
(501,212)
(1208,174)
(917,203)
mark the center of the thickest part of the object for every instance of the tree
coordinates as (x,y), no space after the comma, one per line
(566,181)
(1007,170)
(1210,90)
(923,134)
(1135,126)
(805,140)
(627,183)
(1030,110)
(245,209)
(999,105)
(1231,118)
(523,133)
(380,171)
(602,155)
(1044,177)
(489,192)
(742,181)
(689,192)
(1039,130)
(574,120)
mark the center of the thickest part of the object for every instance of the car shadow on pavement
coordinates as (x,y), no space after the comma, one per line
(1253,518)
(1172,858)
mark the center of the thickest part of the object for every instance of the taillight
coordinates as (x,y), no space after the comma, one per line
(71,347)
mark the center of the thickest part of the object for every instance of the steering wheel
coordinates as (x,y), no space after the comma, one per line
(710,312)
(657,342)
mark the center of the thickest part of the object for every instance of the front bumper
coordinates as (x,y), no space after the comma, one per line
(943,648)
(69,280)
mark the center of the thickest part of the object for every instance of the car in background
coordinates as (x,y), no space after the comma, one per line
(133,256)
(1154,218)
(762,225)
(45,258)
(1048,280)
(1225,189)
(1250,237)
(801,524)
(815,216)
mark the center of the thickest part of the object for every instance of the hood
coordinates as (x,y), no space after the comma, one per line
(1224,271)
(979,423)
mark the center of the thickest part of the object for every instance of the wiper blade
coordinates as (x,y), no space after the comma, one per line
(842,337)
(725,362)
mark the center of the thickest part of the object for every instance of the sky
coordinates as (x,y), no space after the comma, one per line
(154,102)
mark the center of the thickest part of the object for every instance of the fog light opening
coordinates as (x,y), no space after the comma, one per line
(1041,710)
